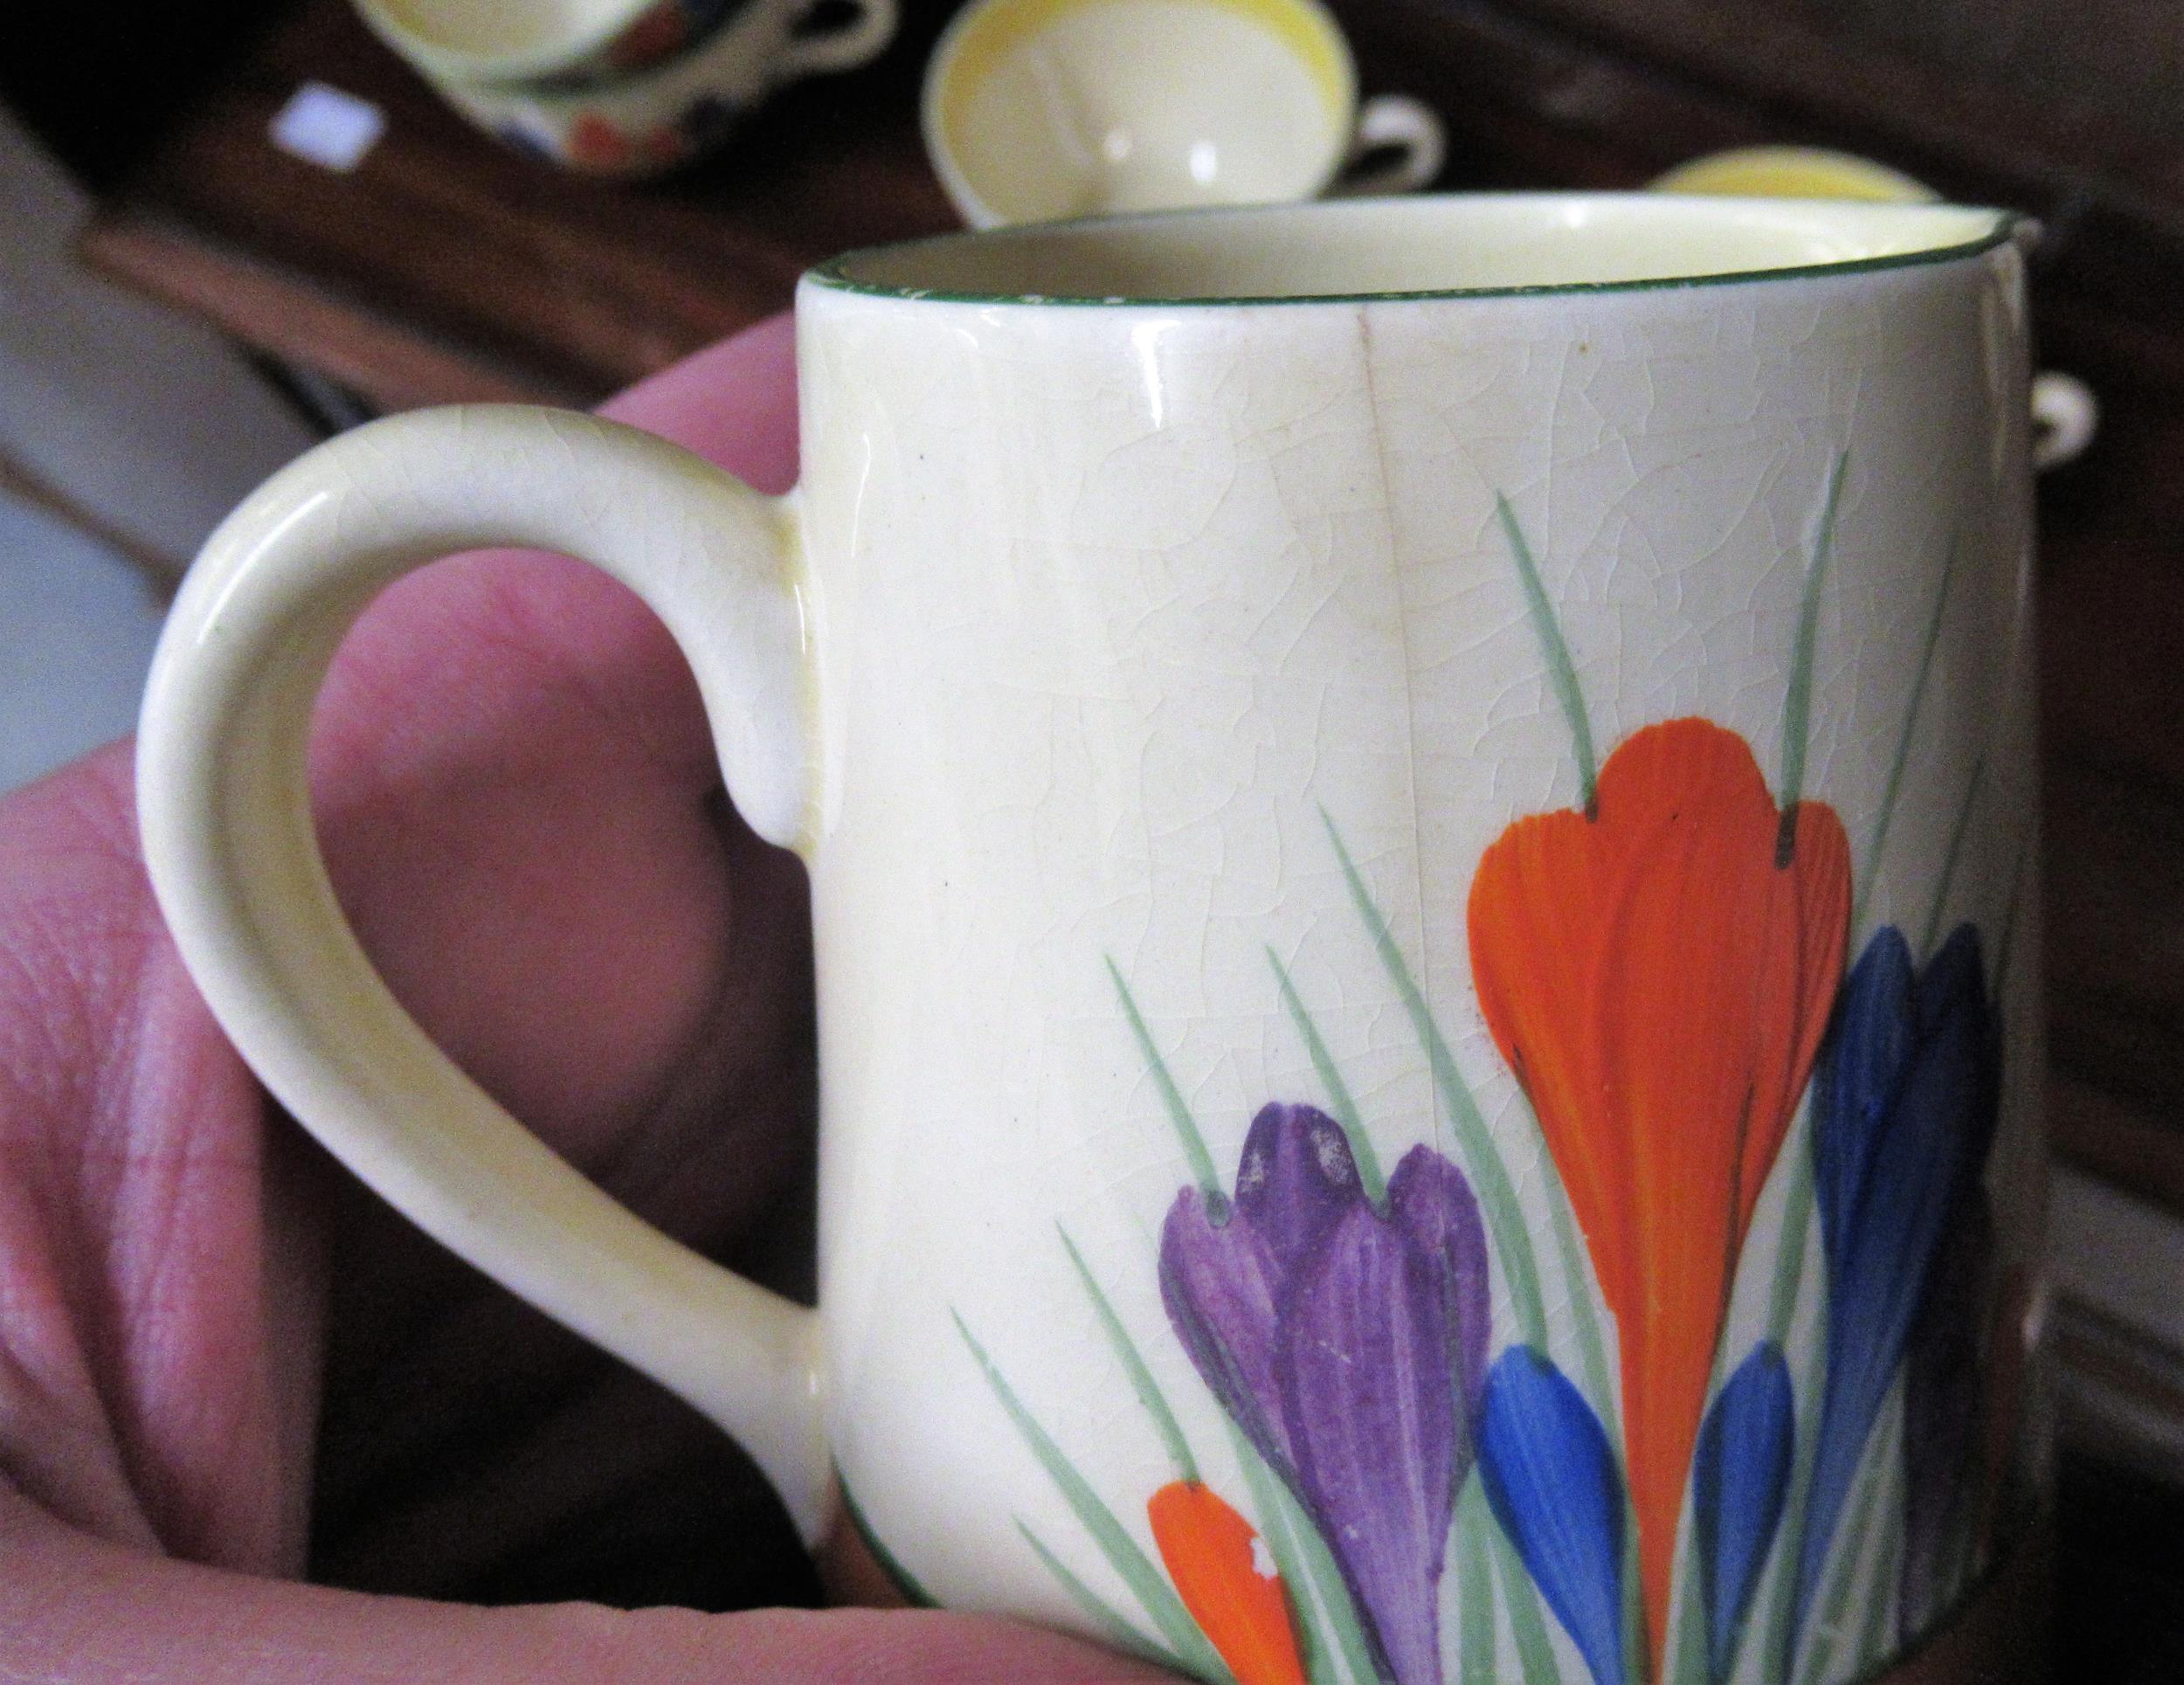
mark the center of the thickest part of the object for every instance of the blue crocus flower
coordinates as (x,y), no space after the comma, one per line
(1905,1099)
(1740,1474)
(1551,1477)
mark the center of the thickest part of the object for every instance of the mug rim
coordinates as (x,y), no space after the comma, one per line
(1982,228)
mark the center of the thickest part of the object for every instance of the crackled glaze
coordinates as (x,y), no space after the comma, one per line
(1191,695)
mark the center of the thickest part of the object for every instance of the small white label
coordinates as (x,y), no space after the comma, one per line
(326,127)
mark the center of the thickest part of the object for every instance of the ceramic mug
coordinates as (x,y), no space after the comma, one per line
(1038,109)
(668,114)
(1420,823)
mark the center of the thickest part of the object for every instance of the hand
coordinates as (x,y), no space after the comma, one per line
(207,1330)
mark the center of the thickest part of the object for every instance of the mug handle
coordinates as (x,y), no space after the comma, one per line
(1411,128)
(226,812)
(2065,415)
(862,38)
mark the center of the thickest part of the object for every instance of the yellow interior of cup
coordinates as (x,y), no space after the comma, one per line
(1038,109)
(1794,172)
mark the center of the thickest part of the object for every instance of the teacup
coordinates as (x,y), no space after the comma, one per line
(665,115)
(1039,109)
(1420,823)
(493,41)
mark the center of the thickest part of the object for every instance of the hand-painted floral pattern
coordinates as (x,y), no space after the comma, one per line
(1212,1556)
(1348,1344)
(1740,1475)
(1551,1477)
(1661,969)
(1658,973)
(1904,1104)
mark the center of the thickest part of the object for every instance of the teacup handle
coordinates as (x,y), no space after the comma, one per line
(1408,127)
(225,814)
(858,41)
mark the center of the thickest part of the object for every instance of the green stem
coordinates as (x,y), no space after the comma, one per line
(1124,1554)
(1536,1661)
(1311,1562)
(1797,702)
(1949,860)
(1841,1577)
(1339,1096)
(1113,1625)
(1778,1638)
(1186,1129)
(1489,1176)
(1561,668)
(1477,1638)
(1141,1380)
(1869,869)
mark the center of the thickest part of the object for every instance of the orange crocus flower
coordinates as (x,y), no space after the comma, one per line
(1657,972)
(1210,1552)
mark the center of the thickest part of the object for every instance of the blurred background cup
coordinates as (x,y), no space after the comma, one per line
(1039,109)
(621,87)
(2065,414)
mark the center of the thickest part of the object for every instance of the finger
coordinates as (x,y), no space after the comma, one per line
(74,1609)
(513,779)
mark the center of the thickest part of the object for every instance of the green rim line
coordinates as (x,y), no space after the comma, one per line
(1141,1380)
(1869,867)
(1561,668)
(890,1564)
(1186,1127)
(1338,1095)
(1797,700)
(1949,860)
(1112,1622)
(1490,1177)
(836,274)
(1123,1555)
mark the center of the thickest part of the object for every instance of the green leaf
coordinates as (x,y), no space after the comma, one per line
(1303,1559)
(1949,860)
(1186,1127)
(1560,669)
(1869,868)
(1839,1578)
(1129,1563)
(1489,1176)
(1798,701)
(1338,1097)
(1478,1636)
(1141,1380)
(1118,1631)
(1527,1621)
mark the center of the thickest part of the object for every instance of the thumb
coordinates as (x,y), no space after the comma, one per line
(74,1608)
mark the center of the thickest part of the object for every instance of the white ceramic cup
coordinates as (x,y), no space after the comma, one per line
(1350,757)
(1038,109)
(668,113)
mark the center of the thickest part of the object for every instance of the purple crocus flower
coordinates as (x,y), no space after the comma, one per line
(1348,1342)
(1905,1099)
